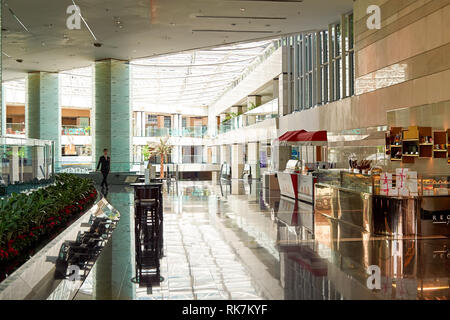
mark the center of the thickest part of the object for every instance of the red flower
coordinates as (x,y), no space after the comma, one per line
(31,234)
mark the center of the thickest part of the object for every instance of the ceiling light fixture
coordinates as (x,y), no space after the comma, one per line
(242,9)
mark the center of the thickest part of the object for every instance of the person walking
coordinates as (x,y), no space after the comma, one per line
(105,163)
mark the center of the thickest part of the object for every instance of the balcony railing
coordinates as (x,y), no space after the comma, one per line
(264,112)
(191,132)
(75,131)
(194,132)
(15,128)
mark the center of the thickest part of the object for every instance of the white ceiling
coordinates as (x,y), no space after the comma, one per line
(149,27)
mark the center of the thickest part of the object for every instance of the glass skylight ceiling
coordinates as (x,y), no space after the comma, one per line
(190,79)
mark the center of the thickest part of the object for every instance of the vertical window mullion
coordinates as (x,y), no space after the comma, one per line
(296,77)
(344,35)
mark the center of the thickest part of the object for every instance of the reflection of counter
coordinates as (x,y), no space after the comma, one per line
(383,215)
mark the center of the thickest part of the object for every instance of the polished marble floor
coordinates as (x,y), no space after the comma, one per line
(236,240)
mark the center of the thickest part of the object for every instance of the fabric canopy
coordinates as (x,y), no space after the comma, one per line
(287,135)
(302,136)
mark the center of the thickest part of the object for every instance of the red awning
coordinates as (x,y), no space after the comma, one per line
(287,135)
(304,136)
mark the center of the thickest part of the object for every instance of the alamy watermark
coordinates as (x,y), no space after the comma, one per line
(374,19)
(374,279)
(73,272)
(74,20)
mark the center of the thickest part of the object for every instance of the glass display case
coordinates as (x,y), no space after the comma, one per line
(437,185)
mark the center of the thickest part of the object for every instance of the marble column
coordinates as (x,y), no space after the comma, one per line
(253,159)
(237,161)
(43,109)
(113,113)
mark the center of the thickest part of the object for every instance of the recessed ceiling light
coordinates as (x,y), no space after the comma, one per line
(242,9)
(233,24)
(267,25)
(19,60)
(97,44)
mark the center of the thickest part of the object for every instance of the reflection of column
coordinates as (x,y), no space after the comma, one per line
(237,161)
(123,248)
(253,159)
(43,110)
(113,112)
(102,280)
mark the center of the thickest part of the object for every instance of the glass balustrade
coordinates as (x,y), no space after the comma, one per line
(262,113)
(75,131)
(15,128)
(26,164)
(190,132)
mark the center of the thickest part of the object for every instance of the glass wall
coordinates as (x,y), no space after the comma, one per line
(320,65)
(24,162)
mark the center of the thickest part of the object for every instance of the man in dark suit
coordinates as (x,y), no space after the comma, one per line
(105,163)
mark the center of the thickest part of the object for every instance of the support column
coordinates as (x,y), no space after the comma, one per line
(2,94)
(280,157)
(253,159)
(252,101)
(3,105)
(113,113)
(43,109)
(225,154)
(237,161)
(283,105)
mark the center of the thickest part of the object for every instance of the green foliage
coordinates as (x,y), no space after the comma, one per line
(24,217)
(252,106)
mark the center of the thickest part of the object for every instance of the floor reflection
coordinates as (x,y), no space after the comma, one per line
(237,241)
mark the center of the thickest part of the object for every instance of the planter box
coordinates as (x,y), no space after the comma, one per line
(34,280)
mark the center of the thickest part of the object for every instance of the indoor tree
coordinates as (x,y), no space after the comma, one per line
(161,148)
